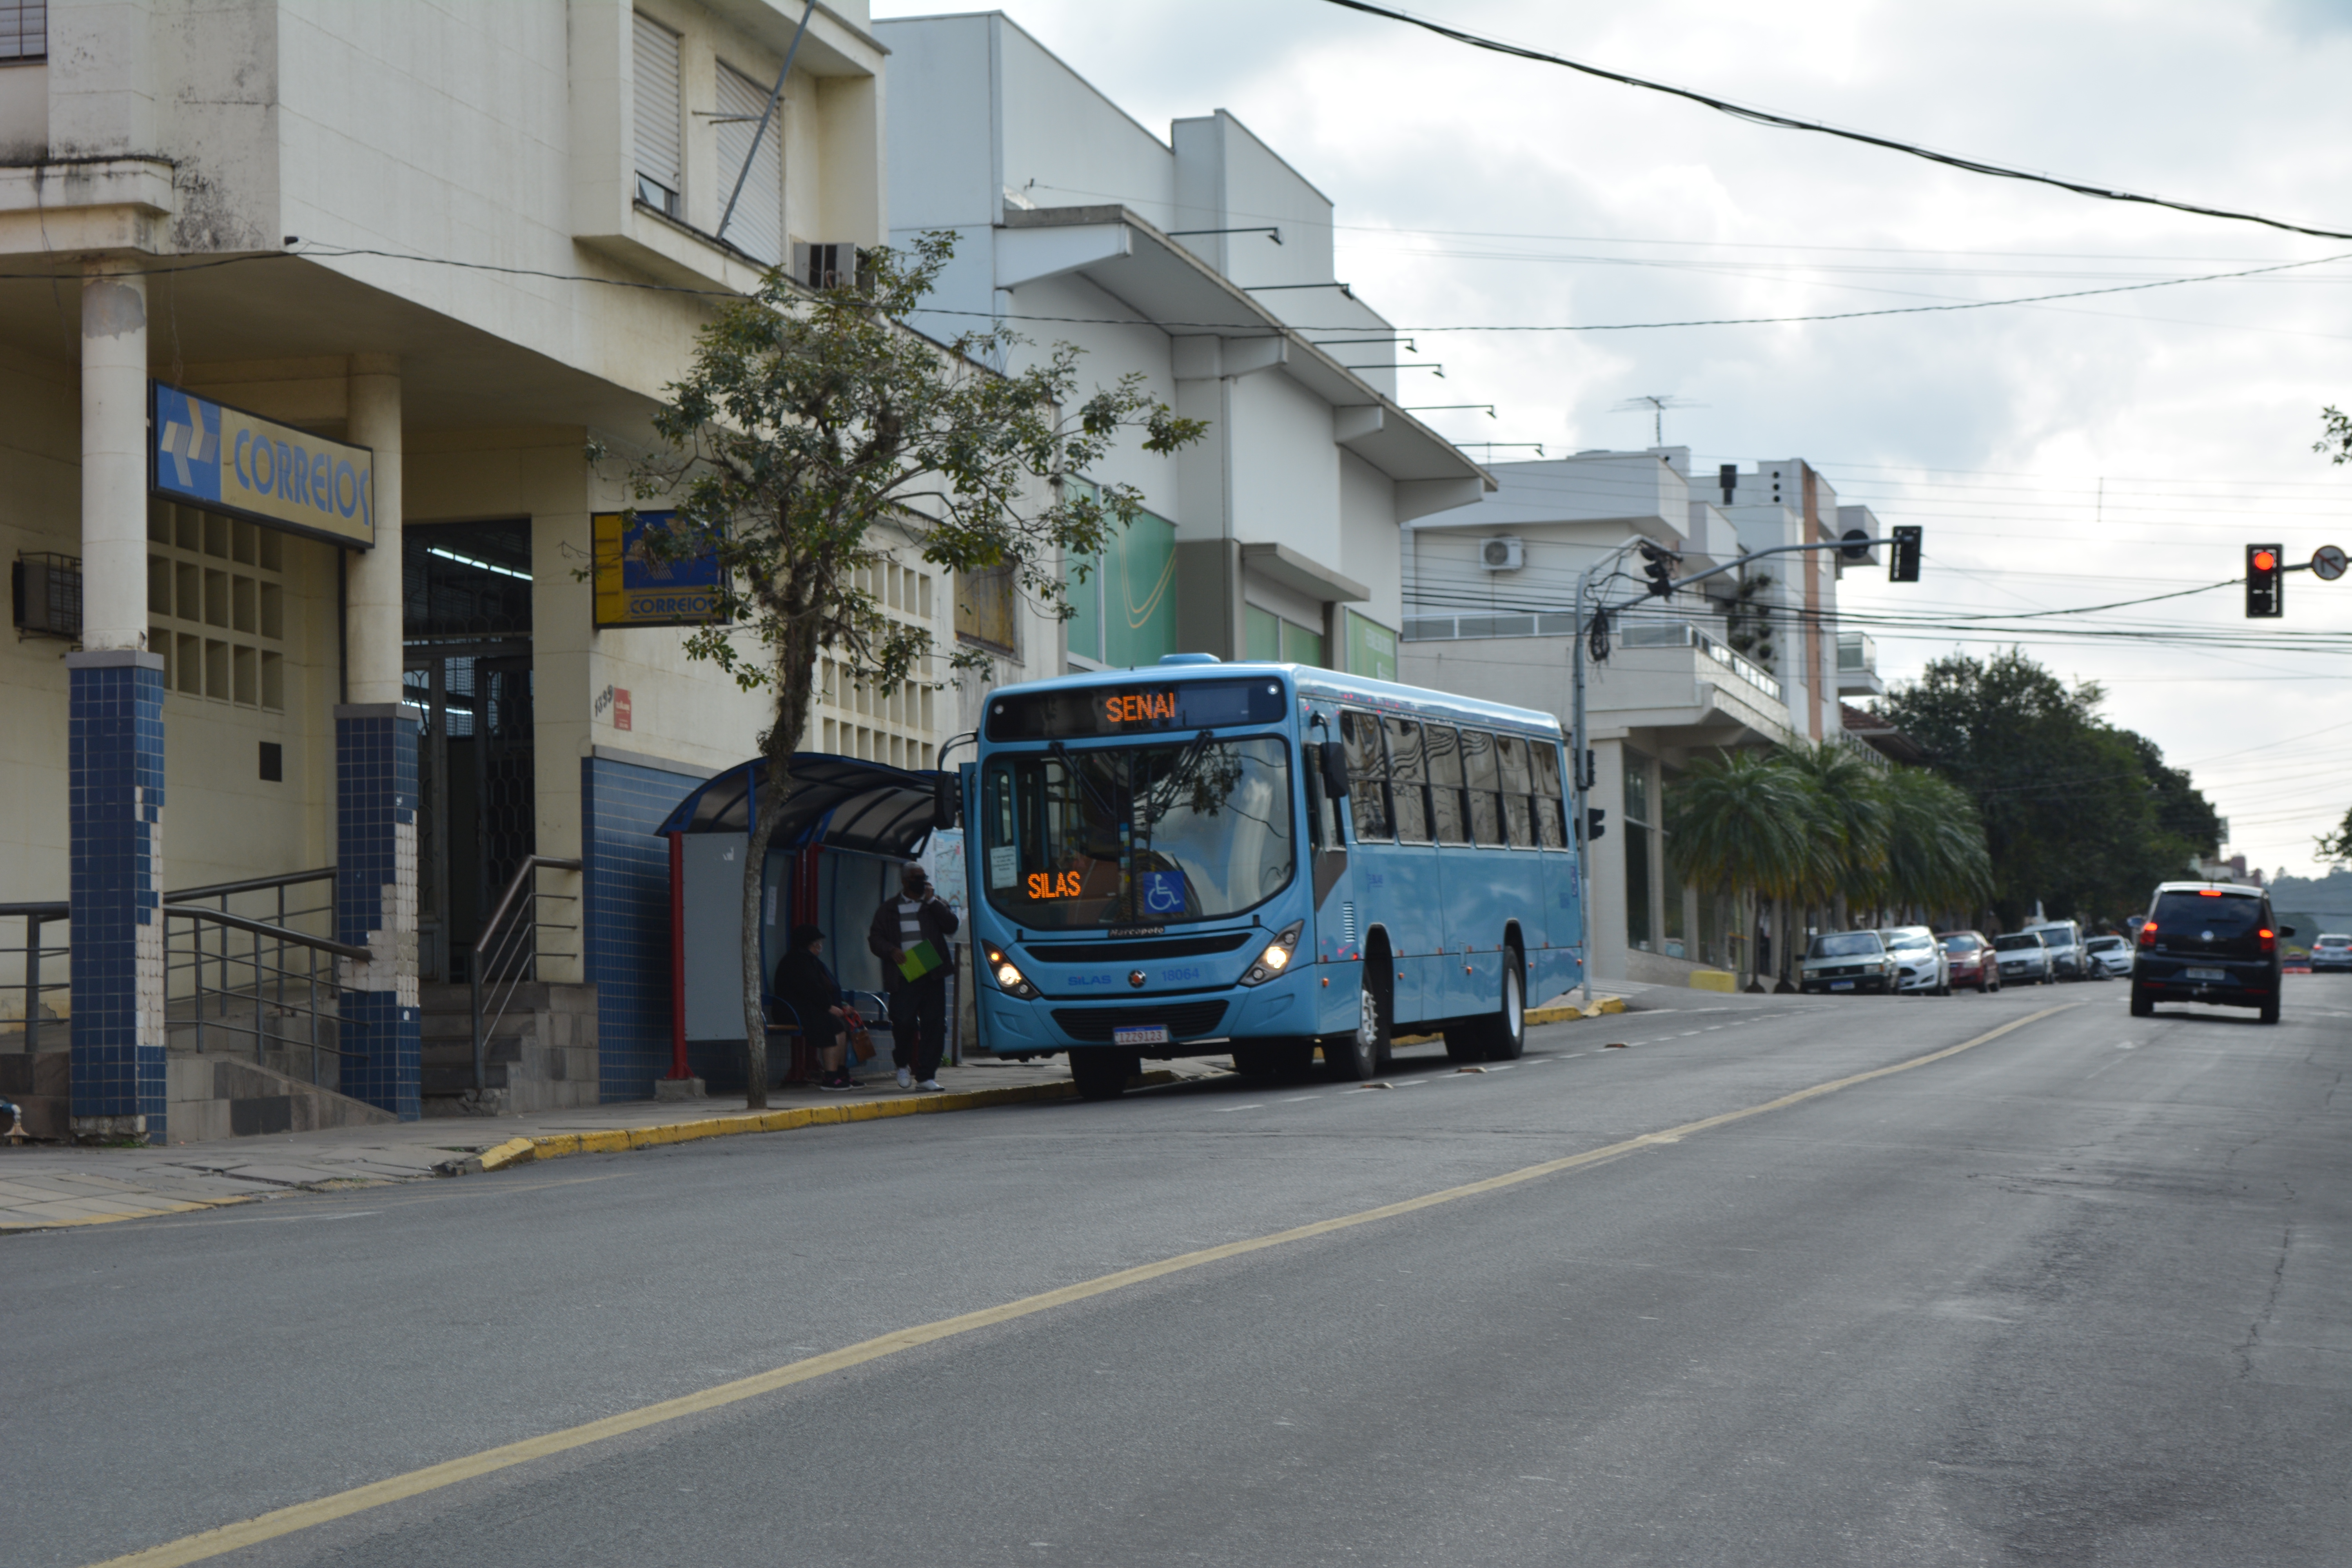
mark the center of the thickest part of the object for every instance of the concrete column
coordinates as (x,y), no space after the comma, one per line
(375,902)
(115,828)
(113,459)
(375,783)
(115,738)
(372,596)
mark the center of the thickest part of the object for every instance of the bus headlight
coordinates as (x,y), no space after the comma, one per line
(1276,956)
(1009,978)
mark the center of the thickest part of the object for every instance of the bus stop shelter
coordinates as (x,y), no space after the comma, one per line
(844,829)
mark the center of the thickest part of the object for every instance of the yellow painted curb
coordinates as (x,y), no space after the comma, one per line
(161,1207)
(555,1146)
(1552,1015)
(1714,980)
(513,1151)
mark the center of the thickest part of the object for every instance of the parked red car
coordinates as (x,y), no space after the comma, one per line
(1970,958)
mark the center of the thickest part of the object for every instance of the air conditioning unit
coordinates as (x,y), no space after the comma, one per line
(825,264)
(45,592)
(1502,555)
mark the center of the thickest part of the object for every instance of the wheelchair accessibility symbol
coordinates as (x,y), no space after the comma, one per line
(1163,892)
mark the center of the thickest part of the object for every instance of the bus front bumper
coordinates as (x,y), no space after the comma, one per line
(1198,1023)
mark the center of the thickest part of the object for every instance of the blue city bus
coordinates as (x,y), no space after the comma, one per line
(1197,857)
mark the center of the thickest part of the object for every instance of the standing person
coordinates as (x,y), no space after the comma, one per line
(803,981)
(919,1008)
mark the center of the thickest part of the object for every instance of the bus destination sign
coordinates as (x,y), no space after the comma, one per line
(1098,712)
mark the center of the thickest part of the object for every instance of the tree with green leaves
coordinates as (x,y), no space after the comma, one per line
(2079,814)
(812,432)
(1850,823)
(1740,823)
(1936,860)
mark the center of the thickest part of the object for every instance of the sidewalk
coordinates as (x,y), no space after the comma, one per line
(46,1186)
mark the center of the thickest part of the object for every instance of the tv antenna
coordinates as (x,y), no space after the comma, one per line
(1656,402)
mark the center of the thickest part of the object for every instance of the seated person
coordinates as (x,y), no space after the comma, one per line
(804,982)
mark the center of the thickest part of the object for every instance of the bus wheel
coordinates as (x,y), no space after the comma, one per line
(1103,1075)
(1507,1031)
(1356,1056)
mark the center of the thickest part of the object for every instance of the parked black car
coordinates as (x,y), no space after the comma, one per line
(2207,942)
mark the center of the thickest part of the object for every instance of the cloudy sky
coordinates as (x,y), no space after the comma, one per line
(2066,454)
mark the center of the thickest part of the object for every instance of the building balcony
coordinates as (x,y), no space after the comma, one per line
(1857,665)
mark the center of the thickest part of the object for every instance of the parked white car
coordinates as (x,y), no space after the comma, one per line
(1920,966)
(2106,957)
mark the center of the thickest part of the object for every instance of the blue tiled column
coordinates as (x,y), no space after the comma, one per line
(375,901)
(115,770)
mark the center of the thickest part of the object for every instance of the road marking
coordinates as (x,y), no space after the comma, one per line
(433,1478)
(1229,1109)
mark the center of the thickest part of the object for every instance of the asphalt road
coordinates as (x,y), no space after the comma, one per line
(2075,1295)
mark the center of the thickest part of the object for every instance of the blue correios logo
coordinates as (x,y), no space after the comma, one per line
(1163,892)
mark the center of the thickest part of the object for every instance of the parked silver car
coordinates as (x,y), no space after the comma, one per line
(1846,961)
(2105,957)
(2065,941)
(2331,950)
(1920,966)
(2025,958)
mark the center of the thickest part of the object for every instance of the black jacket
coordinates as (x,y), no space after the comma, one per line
(808,986)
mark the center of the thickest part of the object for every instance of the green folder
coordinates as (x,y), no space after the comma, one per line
(921,960)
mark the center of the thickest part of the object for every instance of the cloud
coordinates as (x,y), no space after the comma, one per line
(2063,454)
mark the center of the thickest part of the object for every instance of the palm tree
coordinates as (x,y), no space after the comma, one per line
(1937,859)
(1852,818)
(1741,823)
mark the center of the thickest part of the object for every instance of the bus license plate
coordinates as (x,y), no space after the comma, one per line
(1141,1035)
(2206,974)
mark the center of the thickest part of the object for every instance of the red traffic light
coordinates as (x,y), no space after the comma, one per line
(2265,562)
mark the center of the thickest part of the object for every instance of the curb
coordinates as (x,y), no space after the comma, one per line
(530,1151)
(154,1209)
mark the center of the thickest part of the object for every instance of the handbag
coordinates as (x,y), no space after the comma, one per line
(861,1040)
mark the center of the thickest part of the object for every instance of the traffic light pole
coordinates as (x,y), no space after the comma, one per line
(1580,744)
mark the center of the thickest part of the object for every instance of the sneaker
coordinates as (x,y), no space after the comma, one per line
(906,1078)
(933,1085)
(833,1085)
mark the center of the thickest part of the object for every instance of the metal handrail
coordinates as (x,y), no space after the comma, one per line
(263,927)
(36,916)
(493,946)
(250,885)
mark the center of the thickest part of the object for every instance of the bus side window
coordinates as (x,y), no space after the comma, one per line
(1478,770)
(1518,807)
(1407,780)
(1448,824)
(1549,824)
(1367,775)
(1311,778)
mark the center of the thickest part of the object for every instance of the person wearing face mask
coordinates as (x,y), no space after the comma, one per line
(915,926)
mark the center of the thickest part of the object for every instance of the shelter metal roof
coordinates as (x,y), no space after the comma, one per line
(842,802)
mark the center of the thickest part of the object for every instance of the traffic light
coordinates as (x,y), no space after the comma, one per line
(1593,824)
(1903,566)
(1660,569)
(2265,583)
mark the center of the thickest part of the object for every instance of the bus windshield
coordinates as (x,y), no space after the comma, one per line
(1137,835)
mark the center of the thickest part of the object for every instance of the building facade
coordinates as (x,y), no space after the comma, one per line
(396,268)
(1752,657)
(1278,536)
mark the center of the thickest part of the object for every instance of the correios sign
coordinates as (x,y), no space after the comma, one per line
(225,460)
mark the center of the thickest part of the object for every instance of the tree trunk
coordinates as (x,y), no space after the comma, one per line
(766,802)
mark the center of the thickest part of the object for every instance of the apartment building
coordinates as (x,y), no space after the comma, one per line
(1752,657)
(1202,263)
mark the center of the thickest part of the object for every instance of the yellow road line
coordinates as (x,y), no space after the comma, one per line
(395,1489)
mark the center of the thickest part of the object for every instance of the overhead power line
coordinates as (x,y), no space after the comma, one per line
(1786,122)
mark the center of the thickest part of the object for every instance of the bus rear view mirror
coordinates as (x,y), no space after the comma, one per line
(947,804)
(1335,770)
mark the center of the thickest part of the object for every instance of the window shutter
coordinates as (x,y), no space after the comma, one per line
(659,164)
(757,227)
